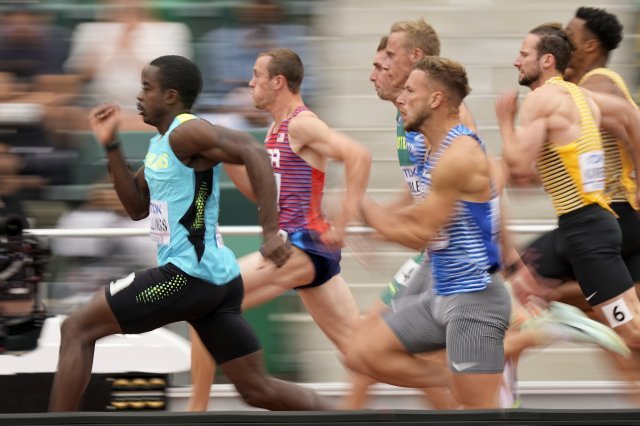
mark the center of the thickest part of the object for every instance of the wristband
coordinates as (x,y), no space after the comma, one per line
(112,146)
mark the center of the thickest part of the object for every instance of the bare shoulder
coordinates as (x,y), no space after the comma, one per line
(192,129)
(543,101)
(463,157)
(600,83)
(306,125)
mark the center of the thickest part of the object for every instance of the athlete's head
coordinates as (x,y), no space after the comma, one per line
(408,42)
(275,70)
(594,33)
(545,48)
(380,75)
(166,82)
(435,83)
(377,62)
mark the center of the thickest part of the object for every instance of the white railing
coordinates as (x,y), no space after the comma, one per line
(518,228)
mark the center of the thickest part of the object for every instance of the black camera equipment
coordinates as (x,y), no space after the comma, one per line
(23,259)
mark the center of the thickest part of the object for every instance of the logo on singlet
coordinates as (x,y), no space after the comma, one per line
(155,161)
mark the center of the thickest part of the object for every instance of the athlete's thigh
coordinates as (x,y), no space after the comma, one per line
(258,272)
(547,256)
(416,325)
(333,307)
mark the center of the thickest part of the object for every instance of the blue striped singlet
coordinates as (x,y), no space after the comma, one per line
(466,251)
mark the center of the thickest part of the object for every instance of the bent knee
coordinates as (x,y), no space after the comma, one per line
(71,328)
(260,394)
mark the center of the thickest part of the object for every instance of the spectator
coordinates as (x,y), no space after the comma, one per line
(109,54)
(259,25)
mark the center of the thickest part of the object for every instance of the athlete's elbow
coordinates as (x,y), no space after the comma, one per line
(138,213)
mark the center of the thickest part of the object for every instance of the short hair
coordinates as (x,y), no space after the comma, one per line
(554,41)
(419,34)
(179,73)
(382,44)
(447,72)
(287,63)
(603,25)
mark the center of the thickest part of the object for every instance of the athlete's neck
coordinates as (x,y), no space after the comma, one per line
(544,77)
(435,129)
(284,106)
(596,62)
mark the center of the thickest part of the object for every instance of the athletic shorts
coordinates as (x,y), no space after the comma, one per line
(471,326)
(146,300)
(547,254)
(629,221)
(326,261)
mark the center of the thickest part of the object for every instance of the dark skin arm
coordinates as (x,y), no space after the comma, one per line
(191,142)
(131,187)
(201,145)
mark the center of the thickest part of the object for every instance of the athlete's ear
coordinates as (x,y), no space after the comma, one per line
(171,96)
(548,60)
(591,44)
(416,53)
(436,99)
(279,81)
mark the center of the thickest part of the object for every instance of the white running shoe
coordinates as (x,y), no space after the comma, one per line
(587,330)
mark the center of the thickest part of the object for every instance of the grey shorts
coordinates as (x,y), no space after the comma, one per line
(471,326)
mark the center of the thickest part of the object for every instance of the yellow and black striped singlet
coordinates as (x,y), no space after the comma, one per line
(573,174)
(619,169)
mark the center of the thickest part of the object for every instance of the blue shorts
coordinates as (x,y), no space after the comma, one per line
(326,261)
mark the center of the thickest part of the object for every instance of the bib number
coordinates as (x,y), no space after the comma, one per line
(592,171)
(278,180)
(160,232)
(617,313)
(405,272)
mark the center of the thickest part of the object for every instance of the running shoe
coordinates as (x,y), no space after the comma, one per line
(591,330)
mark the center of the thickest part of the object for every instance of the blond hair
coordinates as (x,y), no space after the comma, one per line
(419,34)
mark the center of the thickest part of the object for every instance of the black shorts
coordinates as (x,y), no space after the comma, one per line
(326,261)
(629,221)
(146,300)
(586,247)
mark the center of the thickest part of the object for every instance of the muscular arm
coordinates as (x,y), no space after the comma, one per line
(215,144)
(131,187)
(521,145)
(619,116)
(416,225)
(240,178)
(307,132)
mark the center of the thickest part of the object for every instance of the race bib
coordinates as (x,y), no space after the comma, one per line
(592,171)
(413,182)
(159,232)
(278,178)
(406,271)
(617,313)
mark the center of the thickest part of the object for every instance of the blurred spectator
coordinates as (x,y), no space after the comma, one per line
(33,87)
(227,54)
(13,183)
(79,263)
(110,54)
(235,110)
(30,45)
